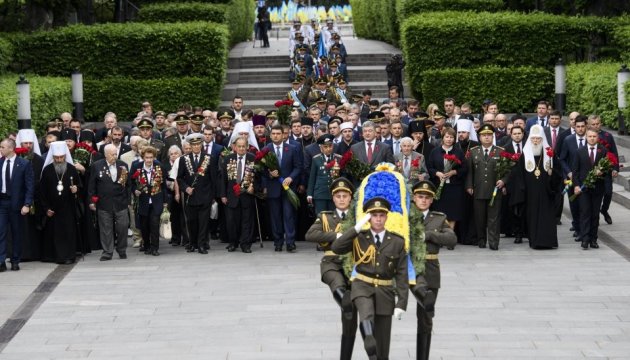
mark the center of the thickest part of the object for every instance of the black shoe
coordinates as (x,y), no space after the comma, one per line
(518,240)
(291,248)
(203,251)
(607,217)
(571,228)
(231,248)
(278,248)
(122,256)
(175,244)
(68,262)
(450,247)
(3,267)
(493,247)
(142,249)
(558,222)
(15,267)
(105,258)
(482,244)
(155,253)
(214,236)
(190,249)
(147,252)
(319,248)
(246,250)
(575,234)
(585,244)
(594,245)
(369,342)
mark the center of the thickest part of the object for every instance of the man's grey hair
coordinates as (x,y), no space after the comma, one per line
(406,140)
(174,149)
(368,124)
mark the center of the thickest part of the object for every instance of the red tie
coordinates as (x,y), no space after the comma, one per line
(592,155)
(369,154)
(553,138)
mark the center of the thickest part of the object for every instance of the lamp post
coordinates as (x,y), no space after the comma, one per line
(623,75)
(23,103)
(77,95)
(561,85)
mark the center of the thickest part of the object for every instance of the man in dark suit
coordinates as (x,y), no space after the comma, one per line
(541,118)
(211,148)
(116,136)
(148,183)
(373,292)
(369,151)
(16,197)
(281,210)
(236,190)
(608,141)
(198,181)
(552,133)
(347,138)
(109,196)
(590,199)
(570,146)
(513,217)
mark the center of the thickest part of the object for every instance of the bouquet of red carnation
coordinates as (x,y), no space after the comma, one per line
(237,189)
(604,166)
(82,153)
(284,111)
(94,199)
(21,151)
(451,162)
(266,159)
(504,165)
(353,166)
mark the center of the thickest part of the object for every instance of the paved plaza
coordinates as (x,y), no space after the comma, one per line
(517,302)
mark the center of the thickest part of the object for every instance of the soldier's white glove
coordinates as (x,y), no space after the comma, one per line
(364,220)
(398,313)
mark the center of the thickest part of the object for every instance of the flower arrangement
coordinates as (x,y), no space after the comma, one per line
(450,161)
(226,151)
(143,184)
(353,166)
(266,159)
(604,166)
(82,154)
(284,111)
(504,165)
(21,151)
(414,169)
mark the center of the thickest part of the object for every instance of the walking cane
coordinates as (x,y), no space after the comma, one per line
(77,222)
(260,235)
(183,196)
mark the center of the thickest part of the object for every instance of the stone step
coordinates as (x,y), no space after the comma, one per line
(272,92)
(283,60)
(266,75)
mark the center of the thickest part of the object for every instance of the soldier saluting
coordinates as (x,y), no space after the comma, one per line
(324,231)
(379,258)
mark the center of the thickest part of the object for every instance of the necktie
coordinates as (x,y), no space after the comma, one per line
(196,161)
(343,215)
(239,169)
(581,143)
(542,122)
(369,152)
(7,178)
(206,148)
(485,156)
(406,166)
(396,147)
(378,241)
(279,154)
(518,148)
(592,155)
(554,136)
(422,218)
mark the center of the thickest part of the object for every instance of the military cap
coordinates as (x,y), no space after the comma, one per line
(420,115)
(486,129)
(424,187)
(357,96)
(57,133)
(297,80)
(428,123)
(341,108)
(341,80)
(321,99)
(439,115)
(181,119)
(145,123)
(160,113)
(194,138)
(325,139)
(487,102)
(376,204)
(68,134)
(57,120)
(321,80)
(259,120)
(332,63)
(336,119)
(467,117)
(305,120)
(197,119)
(376,116)
(302,47)
(341,184)
(226,114)
(336,36)
(297,22)
(300,59)
(329,21)
(335,46)
(87,135)
(273,114)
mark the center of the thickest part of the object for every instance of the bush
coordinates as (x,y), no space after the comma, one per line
(123,96)
(50,96)
(6,54)
(621,36)
(592,89)
(504,39)
(406,8)
(241,20)
(516,89)
(375,19)
(135,50)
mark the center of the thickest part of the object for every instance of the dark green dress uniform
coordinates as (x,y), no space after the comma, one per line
(320,177)
(381,276)
(482,178)
(437,233)
(324,231)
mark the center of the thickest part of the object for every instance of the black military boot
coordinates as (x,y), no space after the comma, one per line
(428,349)
(342,297)
(347,344)
(421,346)
(369,342)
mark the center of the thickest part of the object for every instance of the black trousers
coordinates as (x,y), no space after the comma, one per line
(241,229)
(150,229)
(197,216)
(590,202)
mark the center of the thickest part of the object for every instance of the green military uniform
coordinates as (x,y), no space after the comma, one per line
(324,231)
(373,289)
(482,178)
(437,233)
(320,178)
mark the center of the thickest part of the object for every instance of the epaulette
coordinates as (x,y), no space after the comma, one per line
(318,155)
(474,147)
(437,213)
(499,147)
(396,234)
(326,212)
(157,142)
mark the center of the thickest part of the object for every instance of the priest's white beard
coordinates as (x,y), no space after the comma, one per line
(60,168)
(537,149)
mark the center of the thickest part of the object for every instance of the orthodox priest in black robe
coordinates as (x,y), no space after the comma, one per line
(59,186)
(538,176)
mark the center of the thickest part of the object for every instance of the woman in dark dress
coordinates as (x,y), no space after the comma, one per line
(452,194)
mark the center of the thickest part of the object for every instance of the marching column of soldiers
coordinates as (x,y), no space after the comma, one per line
(183,176)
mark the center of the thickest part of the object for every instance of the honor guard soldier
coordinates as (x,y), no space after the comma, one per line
(321,176)
(321,91)
(146,132)
(379,259)
(437,233)
(324,232)
(481,181)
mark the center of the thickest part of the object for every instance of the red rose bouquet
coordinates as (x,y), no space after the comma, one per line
(450,162)
(604,166)
(505,163)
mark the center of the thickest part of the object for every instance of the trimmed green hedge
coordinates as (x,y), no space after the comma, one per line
(621,36)
(122,95)
(6,54)
(133,49)
(592,89)
(375,19)
(504,39)
(406,8)
(516,89)
(241,20)
(50,96)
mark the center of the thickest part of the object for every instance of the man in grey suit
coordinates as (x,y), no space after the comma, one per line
(410,163)
(369,150)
